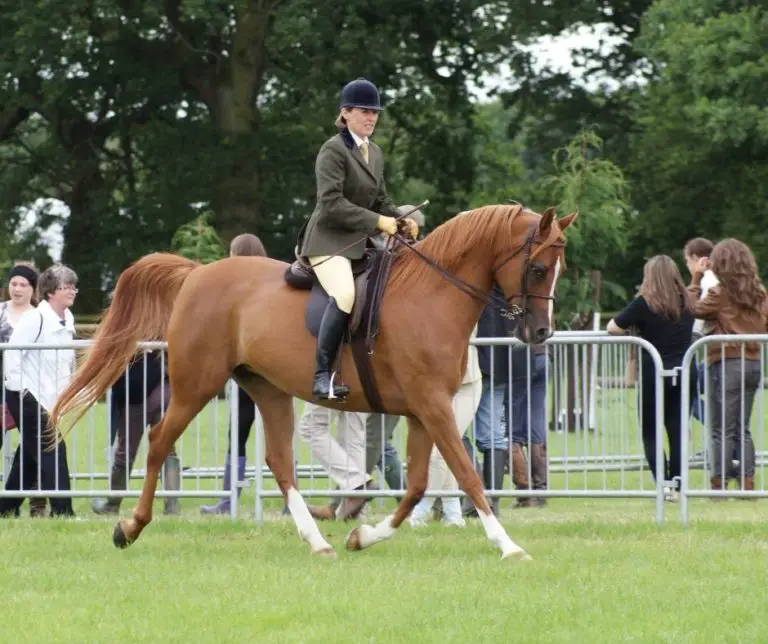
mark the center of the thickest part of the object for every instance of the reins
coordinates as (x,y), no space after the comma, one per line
(506,308)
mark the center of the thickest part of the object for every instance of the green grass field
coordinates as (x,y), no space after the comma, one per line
(603,571)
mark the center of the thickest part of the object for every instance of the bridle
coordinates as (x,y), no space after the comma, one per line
(505,306)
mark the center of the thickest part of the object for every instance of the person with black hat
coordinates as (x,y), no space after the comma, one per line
(22,284)
(352,206)
(22,292)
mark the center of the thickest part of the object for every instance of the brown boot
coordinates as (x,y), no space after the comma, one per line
(717,484)
(749,486)
(37,507)
(520,475)
(322,512)
(538,455)
(350,508)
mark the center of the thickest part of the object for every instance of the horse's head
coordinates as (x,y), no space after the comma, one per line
(528,268)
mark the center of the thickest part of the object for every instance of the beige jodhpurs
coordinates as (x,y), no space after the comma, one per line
(335,276)
(343,459)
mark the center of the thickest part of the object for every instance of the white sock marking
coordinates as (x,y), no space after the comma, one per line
(305,523)
(498,536)
(380,532)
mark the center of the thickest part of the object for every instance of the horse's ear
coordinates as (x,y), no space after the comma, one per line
(567,220)
(546,220)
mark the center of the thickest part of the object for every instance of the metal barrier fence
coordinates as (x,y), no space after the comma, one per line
(733,385)
(90,457)
(593,386)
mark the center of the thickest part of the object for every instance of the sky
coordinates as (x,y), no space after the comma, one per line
(555,51)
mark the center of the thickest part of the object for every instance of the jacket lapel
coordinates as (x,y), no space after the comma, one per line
(349,142)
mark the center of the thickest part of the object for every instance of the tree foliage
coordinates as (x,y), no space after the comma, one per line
(597,189)
(137,117)
(700,151)
(198,240)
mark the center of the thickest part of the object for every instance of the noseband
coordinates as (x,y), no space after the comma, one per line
(514,312)
(506,308)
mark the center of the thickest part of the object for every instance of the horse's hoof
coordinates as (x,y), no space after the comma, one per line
(352,541)
(326,553)
(520,555)
(119,537)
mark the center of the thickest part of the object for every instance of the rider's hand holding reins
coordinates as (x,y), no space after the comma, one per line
(387,224)
(414,227)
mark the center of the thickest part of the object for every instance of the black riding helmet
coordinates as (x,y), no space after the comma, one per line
(360,93)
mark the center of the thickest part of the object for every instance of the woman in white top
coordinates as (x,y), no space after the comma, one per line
(465,404)
(33,380)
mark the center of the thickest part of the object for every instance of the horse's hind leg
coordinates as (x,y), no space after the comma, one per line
(185,403)
(276,408)
(419,449)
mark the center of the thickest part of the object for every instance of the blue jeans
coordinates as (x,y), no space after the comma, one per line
(489,432)
(519,429)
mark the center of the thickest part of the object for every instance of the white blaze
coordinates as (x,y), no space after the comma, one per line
(552,294)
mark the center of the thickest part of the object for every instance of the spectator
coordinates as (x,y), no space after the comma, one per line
(22,284)
(693,251)
(738,304)
(242,245)
(490,437)
(526,414)
(33,379)
(343,459)
(140,397)
(465,404)
(380,452)
(662,313)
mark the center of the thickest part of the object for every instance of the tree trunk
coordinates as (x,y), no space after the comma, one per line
(236,116)
(82,230)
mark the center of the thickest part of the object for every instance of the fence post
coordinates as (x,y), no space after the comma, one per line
(258,510)
(685,429)
(234,428)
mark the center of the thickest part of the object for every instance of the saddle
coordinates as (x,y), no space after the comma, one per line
(371,273)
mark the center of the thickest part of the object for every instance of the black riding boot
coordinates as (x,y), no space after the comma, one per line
(332,329)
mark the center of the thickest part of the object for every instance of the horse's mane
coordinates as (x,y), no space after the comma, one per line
(452,240)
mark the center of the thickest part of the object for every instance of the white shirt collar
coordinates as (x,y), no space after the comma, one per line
(52,318)
(358,141)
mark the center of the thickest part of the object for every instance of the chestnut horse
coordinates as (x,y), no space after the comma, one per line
(238,318)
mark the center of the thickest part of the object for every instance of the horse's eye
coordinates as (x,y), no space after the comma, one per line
(538,272)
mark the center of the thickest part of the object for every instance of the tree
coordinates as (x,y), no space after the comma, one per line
(700,149)
(596,188)
(131,114)
(198,240)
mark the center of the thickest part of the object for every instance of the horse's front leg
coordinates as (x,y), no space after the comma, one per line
(449,443)
(419,449)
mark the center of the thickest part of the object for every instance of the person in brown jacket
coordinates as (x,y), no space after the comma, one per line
(352,205)
(737,305)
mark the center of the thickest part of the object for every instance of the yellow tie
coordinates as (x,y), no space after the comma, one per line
(364,150)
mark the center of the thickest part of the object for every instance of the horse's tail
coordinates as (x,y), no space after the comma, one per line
(140,310)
